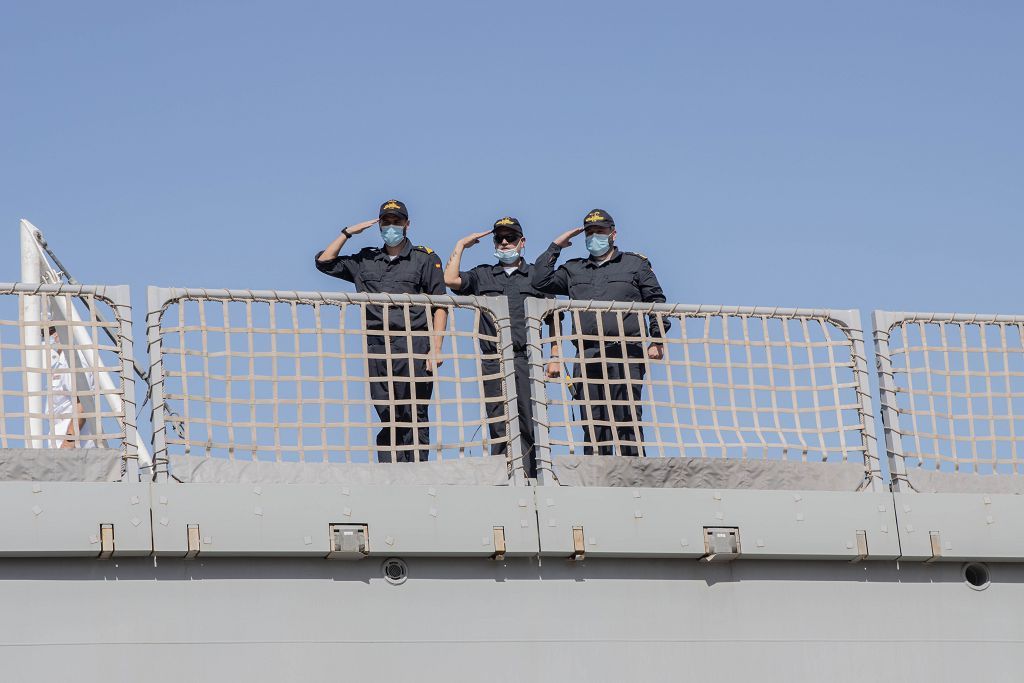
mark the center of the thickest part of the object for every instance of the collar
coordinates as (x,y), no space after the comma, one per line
(523,267)
(616,255)
(406,249)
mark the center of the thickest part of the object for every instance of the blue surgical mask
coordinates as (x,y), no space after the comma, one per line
(507,256)
(598,245)
(392,234)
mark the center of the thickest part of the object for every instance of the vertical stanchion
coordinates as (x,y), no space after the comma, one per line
(536,310)
(883,322)
(31,340)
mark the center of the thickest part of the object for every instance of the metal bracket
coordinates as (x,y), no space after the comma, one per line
(348,542)
(106,541)
(499,543)
(193,541)
(862,546)
(721,543)
(936,543)
(579,550)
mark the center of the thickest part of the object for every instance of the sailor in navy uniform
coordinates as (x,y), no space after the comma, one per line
(612,367)
(397,267)
(510,276)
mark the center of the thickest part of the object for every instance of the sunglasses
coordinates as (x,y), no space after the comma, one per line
(509,239)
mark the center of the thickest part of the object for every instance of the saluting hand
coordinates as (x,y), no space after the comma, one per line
(656,351)
(473,239)
(563,239)
(359,227)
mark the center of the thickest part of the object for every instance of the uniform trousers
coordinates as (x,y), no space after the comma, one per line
(610,394)
(396,399)
(496,409)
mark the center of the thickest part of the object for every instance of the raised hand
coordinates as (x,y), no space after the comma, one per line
(563,239)
(473,239)
(359,227)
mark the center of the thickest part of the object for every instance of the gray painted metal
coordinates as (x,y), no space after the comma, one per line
(293,519)
(971,526)
(63,518)
(475,619)
(620,522)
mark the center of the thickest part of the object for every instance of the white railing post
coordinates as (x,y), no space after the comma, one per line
(32,340)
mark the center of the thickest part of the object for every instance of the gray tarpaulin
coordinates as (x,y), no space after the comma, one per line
(707,473)
(58,464)
(491,471)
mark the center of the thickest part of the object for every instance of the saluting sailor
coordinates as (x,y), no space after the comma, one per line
(611,367)
(509,277)
(397,267)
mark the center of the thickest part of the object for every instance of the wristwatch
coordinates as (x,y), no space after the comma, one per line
(344,231)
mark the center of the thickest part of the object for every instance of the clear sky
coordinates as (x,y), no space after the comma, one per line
(791,153)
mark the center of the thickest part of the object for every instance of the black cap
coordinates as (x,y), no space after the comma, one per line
(508,223)
(600,218)
(393,207)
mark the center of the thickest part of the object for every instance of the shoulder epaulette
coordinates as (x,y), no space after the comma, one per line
(422,248)
(636,253)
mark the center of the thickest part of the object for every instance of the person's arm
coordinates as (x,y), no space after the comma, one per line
(651,292)
(433,283)
(452,277)
(554,369)
(440,325)
(545,277)
(329,262)
(72,430)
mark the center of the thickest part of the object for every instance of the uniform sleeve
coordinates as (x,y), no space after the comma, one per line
(545,277)
(651,293)
(432,279)
(470,283)
(343,267)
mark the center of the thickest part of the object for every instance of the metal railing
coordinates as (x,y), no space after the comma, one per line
(66,368)
(270,376)
(735,383)
(952,393)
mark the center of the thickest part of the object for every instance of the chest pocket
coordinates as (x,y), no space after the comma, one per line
(491,289)
(621,288)
(582,287)
(370,282)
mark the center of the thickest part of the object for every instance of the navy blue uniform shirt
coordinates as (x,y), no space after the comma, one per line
(491,280)
(416,270)
(623,277)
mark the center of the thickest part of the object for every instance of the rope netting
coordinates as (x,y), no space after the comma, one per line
(952,390)
(65,363)
(764,384)
(294,377)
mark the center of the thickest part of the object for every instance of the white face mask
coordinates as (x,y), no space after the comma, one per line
(392,234)
(507,256)
(598,245)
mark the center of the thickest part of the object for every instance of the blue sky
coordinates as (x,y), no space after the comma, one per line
(792,153)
